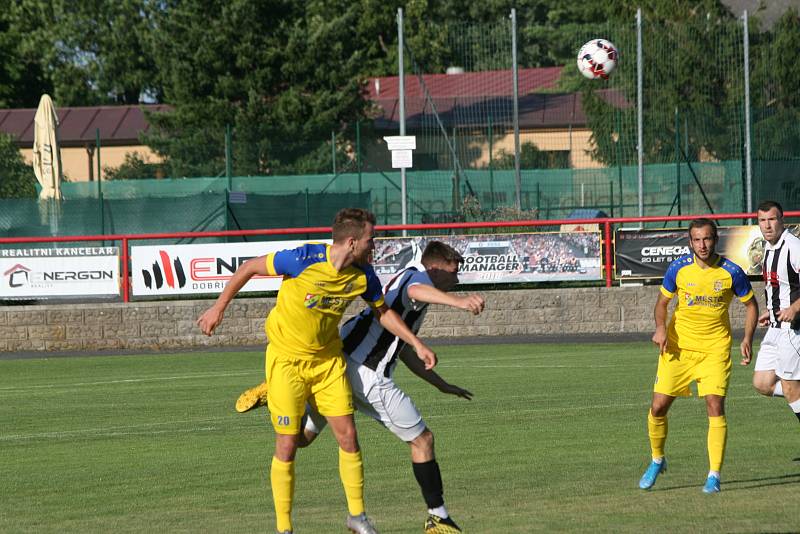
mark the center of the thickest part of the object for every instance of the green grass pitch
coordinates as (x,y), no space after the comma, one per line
(554,440)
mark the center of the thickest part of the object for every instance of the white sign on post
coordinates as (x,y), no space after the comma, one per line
(401,147)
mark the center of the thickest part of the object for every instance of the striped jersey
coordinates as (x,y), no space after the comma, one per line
(781,270)
(312,299)
(700,321)
(367,342)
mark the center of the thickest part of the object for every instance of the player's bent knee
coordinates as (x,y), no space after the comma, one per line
(347,438)
(765,385)
(763,389)
(424,442)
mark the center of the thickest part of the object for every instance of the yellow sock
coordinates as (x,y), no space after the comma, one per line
(657,430)
(351,471)
(282,478)
(717,436)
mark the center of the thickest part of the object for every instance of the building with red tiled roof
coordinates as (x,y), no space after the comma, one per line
(553,121)
(119,127)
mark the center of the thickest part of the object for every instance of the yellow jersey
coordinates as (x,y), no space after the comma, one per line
(700,321)
(312,299)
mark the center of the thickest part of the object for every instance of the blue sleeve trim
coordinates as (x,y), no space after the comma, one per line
(670,282)
(374,291)
(294,261)
(740,283)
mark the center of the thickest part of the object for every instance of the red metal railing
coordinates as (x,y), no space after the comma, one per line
(606,223)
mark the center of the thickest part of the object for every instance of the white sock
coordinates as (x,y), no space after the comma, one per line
(441,511)
(658,460)
(778,391)
(795,406)
(713,473)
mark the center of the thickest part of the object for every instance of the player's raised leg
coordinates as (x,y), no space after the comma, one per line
(252,398)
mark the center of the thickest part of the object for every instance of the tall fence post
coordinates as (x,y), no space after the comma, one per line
(101,207)
(608,251)
(308,213)
(678,198)
(618,122)
(125,273)
(402,98)
(747,125)
(639,111)
(333,151)
(491,162)
(228,174)
(358,153)
(515,77)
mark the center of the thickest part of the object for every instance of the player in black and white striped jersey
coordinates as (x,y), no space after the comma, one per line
(777,370)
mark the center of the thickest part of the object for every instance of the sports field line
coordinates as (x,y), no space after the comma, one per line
(67,385)
(72,434)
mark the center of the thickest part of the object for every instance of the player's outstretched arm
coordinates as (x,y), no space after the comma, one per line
(750,322)
(212,317)
(430,376)
(392,322)
(472,302)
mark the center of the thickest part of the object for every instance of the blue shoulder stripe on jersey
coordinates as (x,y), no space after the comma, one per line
(670,282)
(294,261)
(741,284)
(374,291)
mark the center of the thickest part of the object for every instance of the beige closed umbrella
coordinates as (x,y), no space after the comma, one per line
(47,162)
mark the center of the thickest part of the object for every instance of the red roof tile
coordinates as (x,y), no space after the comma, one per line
(119,125)
(487,83)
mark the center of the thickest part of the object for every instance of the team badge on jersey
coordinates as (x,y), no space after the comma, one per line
(717,285)
(311,300)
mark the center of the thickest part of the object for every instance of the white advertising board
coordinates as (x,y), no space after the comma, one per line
(59,272)
(201,268)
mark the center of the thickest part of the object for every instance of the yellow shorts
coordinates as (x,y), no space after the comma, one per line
(678,368)
(292,382)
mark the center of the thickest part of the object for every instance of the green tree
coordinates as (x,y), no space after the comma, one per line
(775,99)
(82,52)
(136,168)
(17,179)
(22,78)
(531,157)
(282,73)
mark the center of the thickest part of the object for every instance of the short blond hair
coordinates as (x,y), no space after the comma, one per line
(351,222)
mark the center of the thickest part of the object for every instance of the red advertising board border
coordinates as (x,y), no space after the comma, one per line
(607,242)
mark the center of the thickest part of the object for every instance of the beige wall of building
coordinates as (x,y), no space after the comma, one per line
(76,161)
(577,142)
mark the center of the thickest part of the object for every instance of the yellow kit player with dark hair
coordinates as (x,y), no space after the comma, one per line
(696,345)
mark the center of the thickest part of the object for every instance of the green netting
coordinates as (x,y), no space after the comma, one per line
(191,212)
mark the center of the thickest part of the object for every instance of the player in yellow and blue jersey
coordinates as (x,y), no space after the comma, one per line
(304,360)
(696,346)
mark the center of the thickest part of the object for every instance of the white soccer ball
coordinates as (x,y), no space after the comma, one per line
(597,58)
